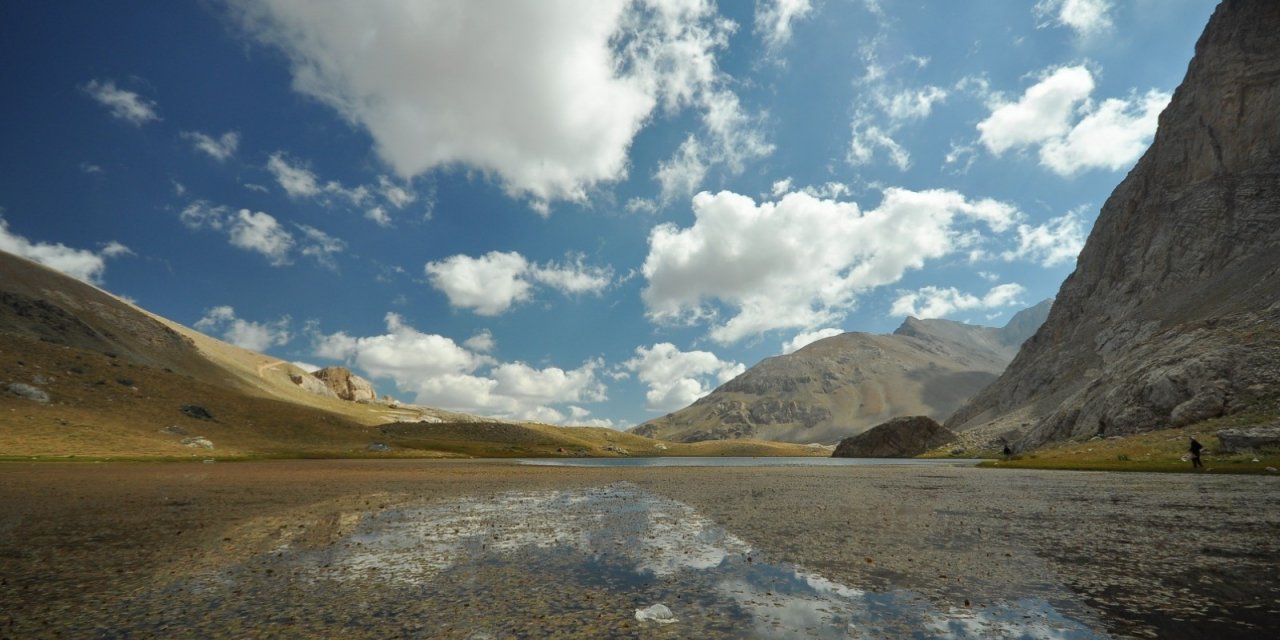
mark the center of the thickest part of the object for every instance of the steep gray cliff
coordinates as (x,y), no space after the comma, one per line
(1173,313)
(845,384)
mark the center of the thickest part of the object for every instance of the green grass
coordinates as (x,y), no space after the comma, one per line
(1153,451)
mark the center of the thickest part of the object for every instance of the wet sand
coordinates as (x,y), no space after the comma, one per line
(480,549)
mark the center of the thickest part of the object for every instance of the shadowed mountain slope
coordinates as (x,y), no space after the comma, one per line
(1173,313)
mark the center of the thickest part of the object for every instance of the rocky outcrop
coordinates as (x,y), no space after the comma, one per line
(347,385)
(1250,439)
(310,383)
(845,384)
(898,438)
(1173,313)
(29,392)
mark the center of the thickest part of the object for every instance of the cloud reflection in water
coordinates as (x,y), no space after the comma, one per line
(656,538)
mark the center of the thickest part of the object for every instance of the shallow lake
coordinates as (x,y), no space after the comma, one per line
(742,462)
(584,562)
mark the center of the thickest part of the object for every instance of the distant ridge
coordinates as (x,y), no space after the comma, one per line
(846,384)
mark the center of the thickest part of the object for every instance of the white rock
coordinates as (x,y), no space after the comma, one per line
(657,613)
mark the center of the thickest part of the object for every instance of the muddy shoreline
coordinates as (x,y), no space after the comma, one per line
(1130,555)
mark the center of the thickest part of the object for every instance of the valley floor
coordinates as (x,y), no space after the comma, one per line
(414,548)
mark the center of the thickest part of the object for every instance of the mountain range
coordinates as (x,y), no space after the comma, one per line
(845,384)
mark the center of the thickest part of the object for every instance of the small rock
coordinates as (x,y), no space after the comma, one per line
(196,411)
(197,442)
(39,379)
(29,392)
(657,613)
(377,446)
(175,430)
(1272,469)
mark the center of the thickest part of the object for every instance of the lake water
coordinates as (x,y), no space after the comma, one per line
(586,562)
(742,462)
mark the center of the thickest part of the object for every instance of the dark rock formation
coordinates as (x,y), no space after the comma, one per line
(1173,313)
(196,411)
(347,385)
(844,384)
(897,438)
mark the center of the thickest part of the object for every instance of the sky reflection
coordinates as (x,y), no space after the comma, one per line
(652,544)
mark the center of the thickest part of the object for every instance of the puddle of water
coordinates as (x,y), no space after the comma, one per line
(577,563)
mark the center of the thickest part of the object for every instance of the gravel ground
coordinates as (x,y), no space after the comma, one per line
(479,549)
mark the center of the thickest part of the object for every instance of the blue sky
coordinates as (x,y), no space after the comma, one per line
(581,211)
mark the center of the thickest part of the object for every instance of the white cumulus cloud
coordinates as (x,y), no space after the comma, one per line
(800,262)
(676,378)
(481,342)
(1111,137)
(774,19)
(1044,111)
(220,148)
(939,302)
(1087,18)
(262,233)
(255,336)
(910,104)
(806,338)
(320,246)
(544,96)
(491,284)
(1057,241)
(1074,133)
(300,182)
(438,372)
(296,180)
(123,104)
(81,264)
(867,137)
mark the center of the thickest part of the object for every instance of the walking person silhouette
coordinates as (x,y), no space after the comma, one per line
(1195,453)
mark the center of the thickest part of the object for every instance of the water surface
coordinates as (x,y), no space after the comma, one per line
(570,563)
(727,461)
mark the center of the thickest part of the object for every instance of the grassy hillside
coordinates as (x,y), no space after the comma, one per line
(85,374)
(1162,450)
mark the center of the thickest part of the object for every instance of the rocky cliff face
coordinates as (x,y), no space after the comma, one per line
(898,438)
(347,385)
(1173,313)
(311,384)
(845,384)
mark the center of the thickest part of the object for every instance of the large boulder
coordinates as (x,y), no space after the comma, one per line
(347,385)
(312,384)
(1250,439)
(897,438)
